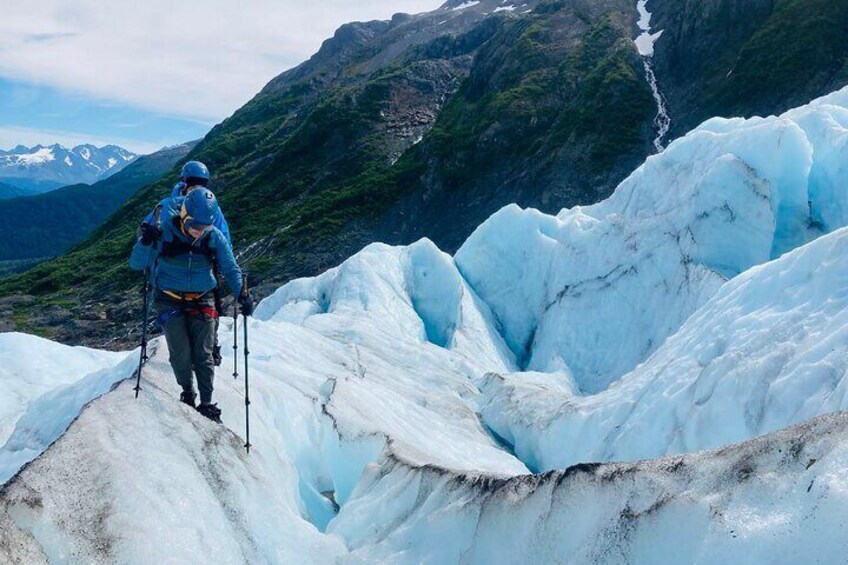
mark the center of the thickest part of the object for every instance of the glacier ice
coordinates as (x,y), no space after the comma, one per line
(314,389)
(767,351)
(597,289)
(148,481)
(401,400)
(43,386)
(33,366)
(776,499)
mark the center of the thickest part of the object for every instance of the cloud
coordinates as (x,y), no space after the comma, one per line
(11,136)
(192,59)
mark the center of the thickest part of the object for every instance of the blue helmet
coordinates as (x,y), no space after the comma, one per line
(200,207)
(194,169)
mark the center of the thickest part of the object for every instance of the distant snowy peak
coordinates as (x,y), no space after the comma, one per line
(104,158)
(44,167)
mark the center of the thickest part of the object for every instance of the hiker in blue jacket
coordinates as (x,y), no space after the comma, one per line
(195,174)
(180,249)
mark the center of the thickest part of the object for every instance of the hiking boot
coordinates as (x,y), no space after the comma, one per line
(211,411)
(188,397)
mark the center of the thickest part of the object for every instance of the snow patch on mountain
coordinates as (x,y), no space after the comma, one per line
(465,5)
(645,41)
(38,156)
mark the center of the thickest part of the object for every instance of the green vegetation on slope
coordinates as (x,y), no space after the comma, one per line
(15,266)
(802,48)
(532,99)
(759,57)
(8,191)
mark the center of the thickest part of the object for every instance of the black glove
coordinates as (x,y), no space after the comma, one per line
(149,233)
(246,303)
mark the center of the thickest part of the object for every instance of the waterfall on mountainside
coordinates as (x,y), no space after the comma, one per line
(645,45)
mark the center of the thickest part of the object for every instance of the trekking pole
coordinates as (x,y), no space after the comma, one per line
(247,445)
(235,338)
(142,358)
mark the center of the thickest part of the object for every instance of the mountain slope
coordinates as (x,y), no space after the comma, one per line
(48,224)
(742,58)
(424,126)
(9,191)
(43,168)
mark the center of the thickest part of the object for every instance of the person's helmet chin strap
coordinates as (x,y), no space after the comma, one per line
(187,233)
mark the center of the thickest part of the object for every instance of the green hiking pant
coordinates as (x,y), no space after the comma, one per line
(190,333)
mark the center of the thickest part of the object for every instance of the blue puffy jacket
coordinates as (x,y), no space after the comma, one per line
(186,264)
(177,192)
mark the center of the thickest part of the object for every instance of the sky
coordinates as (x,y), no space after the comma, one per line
(149,74)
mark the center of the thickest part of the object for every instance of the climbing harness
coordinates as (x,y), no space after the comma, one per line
(193,312)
